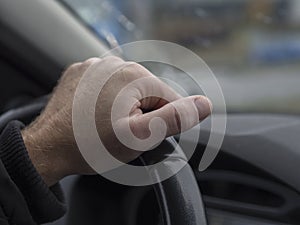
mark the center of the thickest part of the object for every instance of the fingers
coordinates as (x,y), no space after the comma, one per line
(178,116)
(151,91)
(158,100)
(162,94)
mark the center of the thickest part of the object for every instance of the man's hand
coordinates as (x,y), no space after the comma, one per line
(50,140)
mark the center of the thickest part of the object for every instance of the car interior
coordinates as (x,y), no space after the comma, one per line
(254,178)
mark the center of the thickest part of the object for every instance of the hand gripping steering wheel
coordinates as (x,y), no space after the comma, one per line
(178,197)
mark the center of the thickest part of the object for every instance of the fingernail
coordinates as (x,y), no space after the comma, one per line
(204,107)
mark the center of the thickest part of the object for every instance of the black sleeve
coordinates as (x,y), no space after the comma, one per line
(3,219)
(24,197)
(13,207)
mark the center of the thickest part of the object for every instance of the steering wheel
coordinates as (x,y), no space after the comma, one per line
(178,197)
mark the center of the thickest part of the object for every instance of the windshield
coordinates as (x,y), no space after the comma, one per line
(252,46)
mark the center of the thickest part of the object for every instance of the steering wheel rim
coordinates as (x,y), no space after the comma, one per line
(179,197)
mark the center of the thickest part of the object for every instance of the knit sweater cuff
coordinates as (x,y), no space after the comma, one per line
(45,204)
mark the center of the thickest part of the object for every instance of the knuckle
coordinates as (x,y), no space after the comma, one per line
(73,67)
(137,70)
(130,71)
(86,64)
(90,61)
(134,65)
(71,74)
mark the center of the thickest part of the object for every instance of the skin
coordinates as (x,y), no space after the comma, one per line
(50,141)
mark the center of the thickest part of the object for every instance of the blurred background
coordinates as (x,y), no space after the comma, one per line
(252,46)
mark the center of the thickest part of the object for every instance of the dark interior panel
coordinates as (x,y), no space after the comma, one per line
(25,72)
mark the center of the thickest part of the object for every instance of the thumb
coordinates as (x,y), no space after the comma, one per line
(179,116)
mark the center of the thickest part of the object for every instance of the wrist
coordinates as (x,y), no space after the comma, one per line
(52,148)
(42,156)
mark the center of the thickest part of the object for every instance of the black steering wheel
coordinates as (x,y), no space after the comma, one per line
(178,197)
